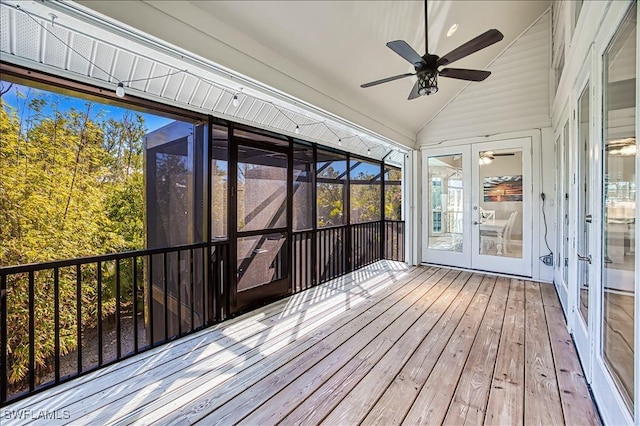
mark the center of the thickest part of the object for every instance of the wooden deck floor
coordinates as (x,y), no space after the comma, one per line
(386,345)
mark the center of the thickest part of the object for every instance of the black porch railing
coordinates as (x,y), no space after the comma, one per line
(394,240)
(66,318)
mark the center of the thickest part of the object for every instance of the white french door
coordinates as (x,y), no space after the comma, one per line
(604,259)
(584,228)
(477,206)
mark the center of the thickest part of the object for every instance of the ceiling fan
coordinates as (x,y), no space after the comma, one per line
(427,65)
(486,157)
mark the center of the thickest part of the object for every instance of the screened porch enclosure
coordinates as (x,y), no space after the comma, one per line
(236,218)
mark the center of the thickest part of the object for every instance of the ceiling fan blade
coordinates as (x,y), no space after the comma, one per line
(386,80)
(403,49)
(483,40)
(463,74)
(414,92)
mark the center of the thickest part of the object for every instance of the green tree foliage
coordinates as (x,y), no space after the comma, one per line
(330,198)
(71,185)
(393,194)
(365,198)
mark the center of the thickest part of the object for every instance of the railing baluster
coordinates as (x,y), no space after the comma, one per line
(135,304)
(32,332)
(56,322)
(334,248)
(79,315)
(397,241)
(150,302)
(193,289)
(118,318)
(179,296)
(207,261)
(99,313)
(294,264)
(4,298)
(165,290)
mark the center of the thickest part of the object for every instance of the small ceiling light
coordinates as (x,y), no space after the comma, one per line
(120,90)
(452,29)
(339,142)
(368,151)
(297,129)
(235,101)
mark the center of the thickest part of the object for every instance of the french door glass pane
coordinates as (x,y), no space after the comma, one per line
(500,202)
(584,202)
(445,204)
(619,193)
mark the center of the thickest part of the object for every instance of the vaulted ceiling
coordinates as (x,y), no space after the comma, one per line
(321,51)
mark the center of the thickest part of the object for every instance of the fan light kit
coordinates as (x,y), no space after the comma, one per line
(426,66)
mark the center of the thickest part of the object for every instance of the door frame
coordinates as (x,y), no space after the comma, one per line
(560,146)
(258,295)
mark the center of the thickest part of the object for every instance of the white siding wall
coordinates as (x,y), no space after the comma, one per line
(515,97)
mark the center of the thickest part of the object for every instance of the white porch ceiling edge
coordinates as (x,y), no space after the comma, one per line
(120,53)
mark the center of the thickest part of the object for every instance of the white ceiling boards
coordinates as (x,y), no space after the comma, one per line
(321,52)
(308,55)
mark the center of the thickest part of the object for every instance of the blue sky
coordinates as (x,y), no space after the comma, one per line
(152,122)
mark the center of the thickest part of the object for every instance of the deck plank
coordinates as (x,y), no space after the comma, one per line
(198,402)
(362,352)
(549,295)
(542,403)
(433,400)
(360,398)
(506,397)
(470,399)
(397,399)
(576,403)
